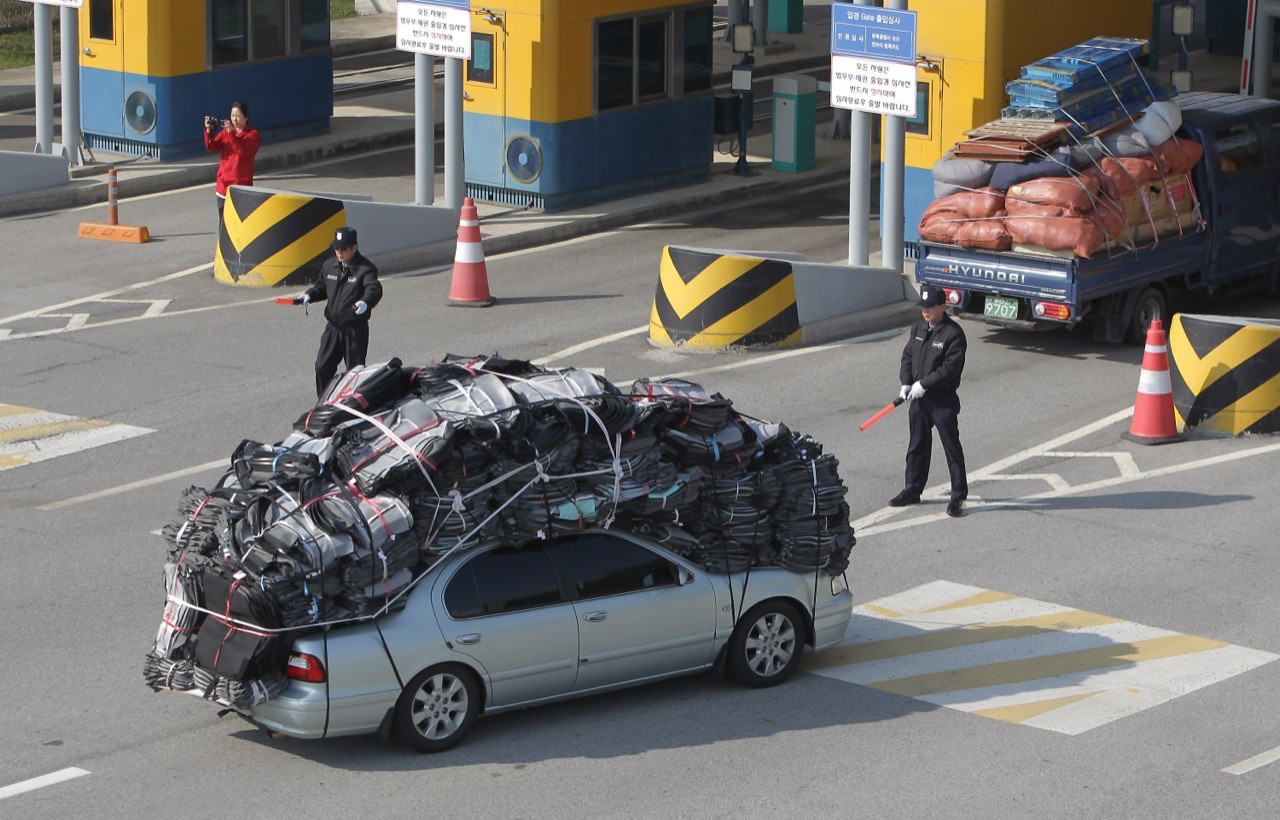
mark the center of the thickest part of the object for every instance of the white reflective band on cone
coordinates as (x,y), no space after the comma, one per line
(469,252)
(1155,383)
(1157,348)
(469,223)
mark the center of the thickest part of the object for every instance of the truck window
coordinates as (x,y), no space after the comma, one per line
(1274,126)
(1238,147)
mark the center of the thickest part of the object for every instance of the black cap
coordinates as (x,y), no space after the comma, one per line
(931,296)
(344,238)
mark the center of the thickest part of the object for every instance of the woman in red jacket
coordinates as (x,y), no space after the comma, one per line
(238,142)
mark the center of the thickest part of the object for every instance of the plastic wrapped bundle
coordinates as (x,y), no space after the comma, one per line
(410,441)
(361,389)
(483,406)
(377,565)
(201,517)
(692,408)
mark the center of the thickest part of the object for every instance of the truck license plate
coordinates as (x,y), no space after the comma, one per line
(1000,307)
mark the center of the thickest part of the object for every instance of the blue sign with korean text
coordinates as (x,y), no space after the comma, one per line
(873,32)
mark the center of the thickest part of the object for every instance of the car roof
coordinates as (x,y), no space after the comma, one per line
(1212,109)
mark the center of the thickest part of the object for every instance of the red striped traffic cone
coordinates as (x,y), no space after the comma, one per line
(470,286)
(1153,419)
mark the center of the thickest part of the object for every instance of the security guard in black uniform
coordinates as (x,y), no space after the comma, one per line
(930,373)
(349,283)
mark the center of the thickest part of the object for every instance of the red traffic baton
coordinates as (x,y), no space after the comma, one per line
(287,300)
(880,415)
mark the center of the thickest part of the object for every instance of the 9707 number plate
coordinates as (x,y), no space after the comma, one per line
(1000,307)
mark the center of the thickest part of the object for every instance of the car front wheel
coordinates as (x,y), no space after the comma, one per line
(766,645)
(438,708)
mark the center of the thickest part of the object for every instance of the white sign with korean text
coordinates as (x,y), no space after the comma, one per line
(70,4)
(873,86)
(438,30)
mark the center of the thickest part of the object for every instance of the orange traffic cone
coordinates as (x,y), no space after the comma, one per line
(1153,419)
(470,286)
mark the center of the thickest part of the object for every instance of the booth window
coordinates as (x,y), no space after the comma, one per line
(615,63)
(632,61)
(697,50)
(269,32)
(919,124)
(480,66)
(314,20)
(229,31)
(102,19)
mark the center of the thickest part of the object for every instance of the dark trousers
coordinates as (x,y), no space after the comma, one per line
(938,412)
(222,201)
(349,344)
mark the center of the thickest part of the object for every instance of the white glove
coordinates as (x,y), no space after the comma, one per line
(361,307)
(305,298)
(902,394)
(916,392)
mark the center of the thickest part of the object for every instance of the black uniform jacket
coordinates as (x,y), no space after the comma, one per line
(934,356)
(343,290)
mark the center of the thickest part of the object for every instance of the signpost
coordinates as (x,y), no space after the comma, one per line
(430,29)
(873,71)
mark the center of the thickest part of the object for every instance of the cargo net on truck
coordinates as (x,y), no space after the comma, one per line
(397,467)
(1084,159)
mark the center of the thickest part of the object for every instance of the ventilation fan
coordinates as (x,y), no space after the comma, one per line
(524,159)
(140,111)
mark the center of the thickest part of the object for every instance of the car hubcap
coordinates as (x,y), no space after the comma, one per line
(439,706)
(770,644)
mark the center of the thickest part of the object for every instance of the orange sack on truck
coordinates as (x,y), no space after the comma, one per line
(1071,194)
(976,204)
(1077,234)
(1178,156)
(990,234)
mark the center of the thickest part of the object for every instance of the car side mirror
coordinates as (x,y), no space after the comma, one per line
(684,576)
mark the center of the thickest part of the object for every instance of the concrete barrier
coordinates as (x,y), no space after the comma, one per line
(710,300)
(21,172)
(272,237)
(1225,373)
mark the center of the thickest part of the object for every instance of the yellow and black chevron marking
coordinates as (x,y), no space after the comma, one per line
(274,239)
(1226,373)
(705,300)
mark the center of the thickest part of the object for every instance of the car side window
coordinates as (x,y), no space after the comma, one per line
(601,565)
(504,579)
(1238,147)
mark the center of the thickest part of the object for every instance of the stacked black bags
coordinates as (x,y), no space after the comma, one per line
(396,466)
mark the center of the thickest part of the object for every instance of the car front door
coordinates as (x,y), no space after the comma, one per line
(635,617)
(503,608)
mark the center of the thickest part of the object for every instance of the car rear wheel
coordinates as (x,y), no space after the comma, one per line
(766,645)
(438,708)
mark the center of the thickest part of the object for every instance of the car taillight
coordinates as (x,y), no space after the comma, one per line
(304,668)
(1052,310)
(954,297)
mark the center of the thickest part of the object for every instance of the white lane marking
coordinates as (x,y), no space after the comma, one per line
(98,297)
(150,314)
(573,350)
(134,485)
(40,782)
(1257,761)
(874,523)
(1023,661)
(28,435)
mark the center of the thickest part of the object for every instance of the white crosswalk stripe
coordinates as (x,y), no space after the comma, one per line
(29,435)
(1023,661)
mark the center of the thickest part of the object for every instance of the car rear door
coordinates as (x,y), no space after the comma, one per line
(503,608)
(635,617)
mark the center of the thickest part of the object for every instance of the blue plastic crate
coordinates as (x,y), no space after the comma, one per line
(1088,62)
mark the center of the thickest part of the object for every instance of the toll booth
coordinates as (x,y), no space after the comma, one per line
(151,70)
(574,101)
(968,50)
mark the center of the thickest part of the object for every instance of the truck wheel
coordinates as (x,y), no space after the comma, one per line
(1150,305)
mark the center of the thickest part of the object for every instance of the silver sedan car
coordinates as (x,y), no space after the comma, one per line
(502,626)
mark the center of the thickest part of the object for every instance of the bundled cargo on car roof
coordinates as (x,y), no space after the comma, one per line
(397,466)
(1084,159)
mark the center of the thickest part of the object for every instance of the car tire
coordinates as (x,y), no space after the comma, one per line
(766,645)
(438,708)
(1149,305)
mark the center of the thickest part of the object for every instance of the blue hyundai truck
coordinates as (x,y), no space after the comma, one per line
(1235,247)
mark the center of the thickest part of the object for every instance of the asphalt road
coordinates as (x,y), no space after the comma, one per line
(1064,512)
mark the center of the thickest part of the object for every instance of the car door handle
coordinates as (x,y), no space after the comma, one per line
(595,615)
(469,638)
